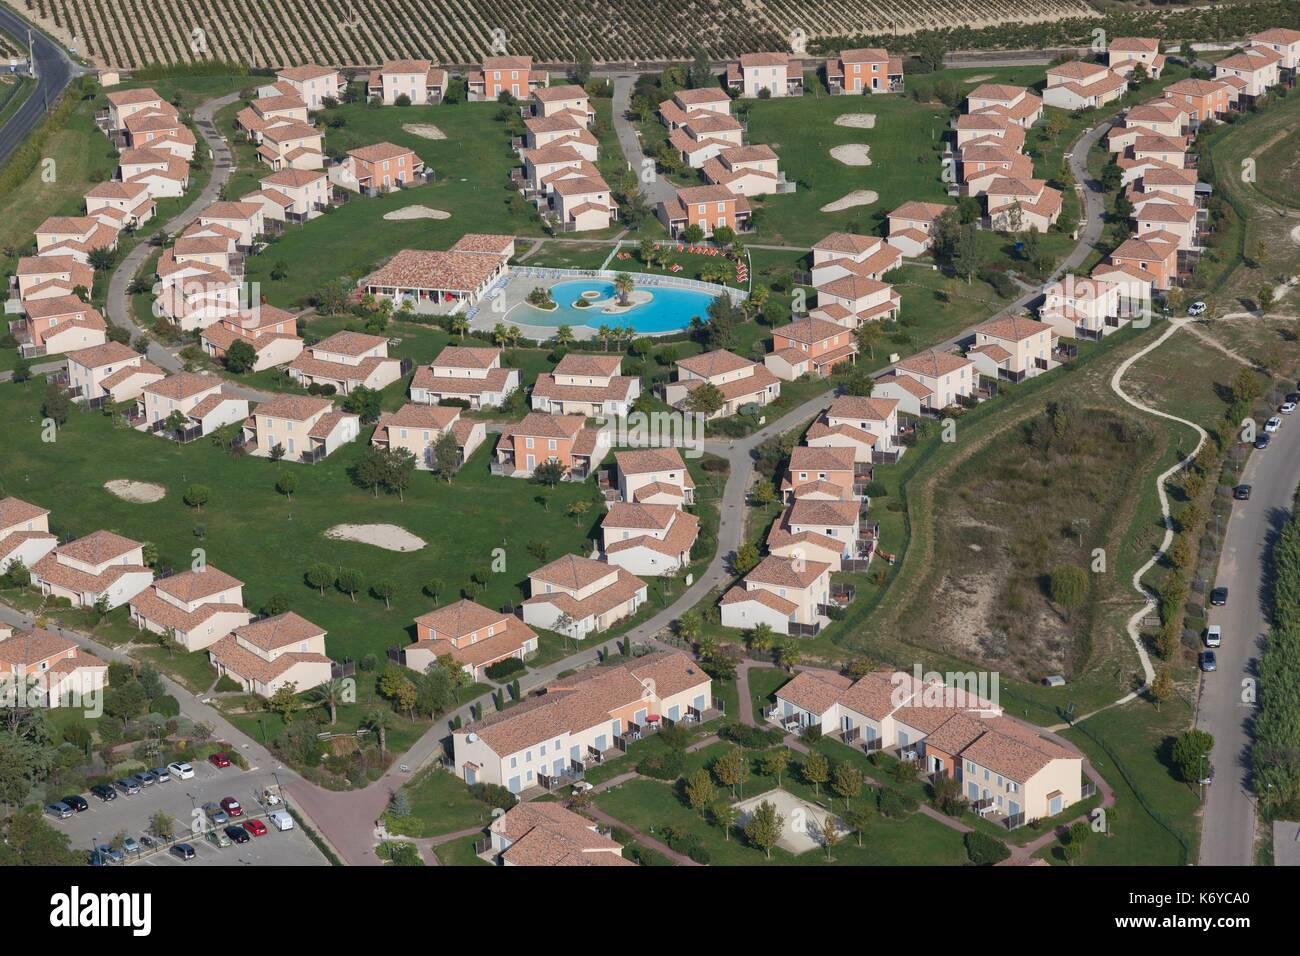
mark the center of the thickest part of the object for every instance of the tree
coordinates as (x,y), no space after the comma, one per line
(857,819)
(240,357)
(699,790)
(868,334)
(446,456)
(688,626)
(364,403)
(847,782)
(285,701)
(320,576)
(549,473)
(331,693)
(746,559)
(22,371)
(378,721)
(966,255)
(706,399)
(1075,839)
(56,405)
(790,653)
(731,769)
(774,764)
(762,637)
(162,826)
(985,850)
(725,816)
(1191,754)
(1069,587)
(287,484)
(1162,688)
(350,581)
(816,769)
(623,285)
(385,588)
(196,496)
(764,828)
(828,834)
(369,471)
(399,470)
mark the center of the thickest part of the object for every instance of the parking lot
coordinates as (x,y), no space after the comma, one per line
(181,799)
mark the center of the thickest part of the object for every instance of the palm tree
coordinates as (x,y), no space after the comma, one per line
(500,334)
(459,325)
(564,336)
(513,335)
(623,285)
(604,333)
(378,720)
(331,694)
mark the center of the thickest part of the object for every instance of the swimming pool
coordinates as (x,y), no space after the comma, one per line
(670,308)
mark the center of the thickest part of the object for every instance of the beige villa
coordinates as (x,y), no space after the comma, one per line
(195,608)
(417,429)
(347,361)
(780,592)
(580,596)
(273,652)
(100,565)
(740,381)
(463,373)
(588,385)
(475,637)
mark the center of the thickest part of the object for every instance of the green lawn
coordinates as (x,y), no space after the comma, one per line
(440,803)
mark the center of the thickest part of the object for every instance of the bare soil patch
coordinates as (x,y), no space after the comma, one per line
(424,130)
(852,154)
(138,492)
(859,197)
(387,536)
(417,212)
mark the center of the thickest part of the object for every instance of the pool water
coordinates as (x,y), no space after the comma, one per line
(670,310)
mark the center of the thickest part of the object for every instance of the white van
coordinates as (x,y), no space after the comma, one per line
(1213,636)
(281,820)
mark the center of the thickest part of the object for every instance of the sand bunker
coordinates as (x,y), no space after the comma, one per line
(424,130)
(1295,235)
(859,197)
(857,120)
(139,492)
(417,212)
(853,154)
(387,536)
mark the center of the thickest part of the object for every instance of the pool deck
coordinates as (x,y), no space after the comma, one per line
(510,306)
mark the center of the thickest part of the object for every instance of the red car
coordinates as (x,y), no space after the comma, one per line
(220,760)
(232,807)
(255,827)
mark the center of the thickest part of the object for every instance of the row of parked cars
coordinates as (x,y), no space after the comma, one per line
(128,786)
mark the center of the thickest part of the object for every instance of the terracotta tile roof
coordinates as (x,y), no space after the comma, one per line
(250,666)
(542,425)
(280,631)
(578,363)
(624,514)
(852,287)
(26,648)
(191,586)
(702,95)
(15,511)
(455,271)
(97,356)
(572,571)
(907,384)
(811,330)
(349,343)
(183,385)
(1012,328)
(933,364)
(1282,35)
(619,387)
(550,94)
(779,604)
(804,458)
(644,461)
(857,406)
(508,640)
(434,417)
(785,572)
(308,71)
(656,488)
(814,691)
(466,356)
(624,587)
(150,607)
(461,618)
(717,362)
(921,211)
(453,385)
(683,529)
(98,547)
(831,514)
(820,429)
(298,408)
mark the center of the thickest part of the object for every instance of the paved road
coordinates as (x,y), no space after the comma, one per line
(54,70)
(658,189)
(1228,836)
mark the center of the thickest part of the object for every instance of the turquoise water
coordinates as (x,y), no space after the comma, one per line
(670,310)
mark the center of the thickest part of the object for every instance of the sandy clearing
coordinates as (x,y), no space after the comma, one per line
(424,130)
(138,492)
(859,197)
(1295,235)
(417,212)
(857,120)
(387,536)
(852,154)
(979,79)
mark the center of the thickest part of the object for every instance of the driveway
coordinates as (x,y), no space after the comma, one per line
(658,189)
(54,70)
(1228,836)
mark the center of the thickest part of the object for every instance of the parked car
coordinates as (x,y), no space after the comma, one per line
(1262,441)
(95,858)
(281,820)
(115,856)
(1219,597)
(220,760)
(1287,407)
(181,771)
(255,827)
(232,807)
(1213,636)
(184,851)
(60,811)
(104,792)
(1293,398)
(1241,492)
(160,774)
(128,785)
(218,838)
(1196,308)
(146,841)
(130,845)
(238,834)
(216,816)
(1209,661)
(77,803)
(1273,424)
(144,778)
(1207,777)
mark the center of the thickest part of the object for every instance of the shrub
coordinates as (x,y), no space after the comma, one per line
(666,766)
(751,738)
(165,705)
(503,669)
(895,803)
(985,850)
(494,795)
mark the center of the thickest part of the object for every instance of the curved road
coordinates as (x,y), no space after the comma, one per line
(54,70)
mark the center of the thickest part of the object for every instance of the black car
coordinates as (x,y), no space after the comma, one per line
(104,792)
(1263,441)
(1293,397)
(1241,492)
(1219,597)
(77,803)
(184,851)
(1209,662)
(238,834)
